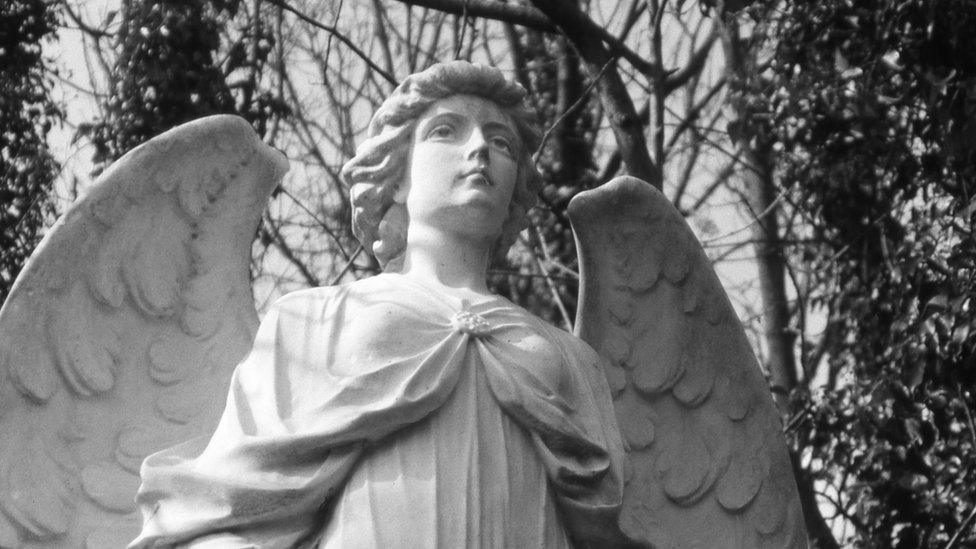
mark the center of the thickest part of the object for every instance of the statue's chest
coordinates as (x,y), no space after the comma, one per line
(378,334)
(384,333)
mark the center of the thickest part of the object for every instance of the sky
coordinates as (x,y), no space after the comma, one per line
(73,89)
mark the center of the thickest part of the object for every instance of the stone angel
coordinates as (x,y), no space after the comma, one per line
(410,409)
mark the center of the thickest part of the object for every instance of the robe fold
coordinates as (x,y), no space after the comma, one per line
(382,413)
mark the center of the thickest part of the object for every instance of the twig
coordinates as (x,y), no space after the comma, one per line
(796,420)
(525,16)
(335,22)
(769,209)
(97,36)
(962,528)
(321,223)
(637,8)
(348,266)
(691,116)
(534,18)
(379,12)
(342,38)
(695,63)
(572,108)
(82,26)
(549,282)
(271,231)
(613,92)
(732,248)
(70,84)
(464,28)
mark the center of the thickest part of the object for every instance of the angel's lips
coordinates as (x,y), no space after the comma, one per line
(478,177)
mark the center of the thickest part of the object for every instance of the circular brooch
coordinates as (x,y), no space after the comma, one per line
(474,324)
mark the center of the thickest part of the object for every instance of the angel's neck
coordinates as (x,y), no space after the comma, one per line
(454,261)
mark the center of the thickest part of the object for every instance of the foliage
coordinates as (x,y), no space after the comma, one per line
(873,105)
(167,72)
(27,168)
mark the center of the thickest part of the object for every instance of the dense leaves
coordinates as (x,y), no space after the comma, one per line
(167,71)
(27,169)
(873,107)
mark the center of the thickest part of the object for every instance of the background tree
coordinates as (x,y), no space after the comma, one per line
(870,109)
(164,74)
(751,131)
(167,71)
(27,112)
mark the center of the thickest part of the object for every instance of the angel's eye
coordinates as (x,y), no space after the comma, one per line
(503,144)
(441,131)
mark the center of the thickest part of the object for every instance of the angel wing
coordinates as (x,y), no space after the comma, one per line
(119,336)
(708,465)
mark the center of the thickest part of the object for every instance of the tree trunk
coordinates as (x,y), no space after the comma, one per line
(779,336)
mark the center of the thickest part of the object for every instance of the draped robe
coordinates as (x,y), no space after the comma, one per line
(383,413)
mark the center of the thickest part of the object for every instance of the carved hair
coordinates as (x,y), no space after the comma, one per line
(381,161)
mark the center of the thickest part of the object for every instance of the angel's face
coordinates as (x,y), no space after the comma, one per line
(463,167)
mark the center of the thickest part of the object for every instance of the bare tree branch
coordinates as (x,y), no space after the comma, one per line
(379,14)
(348,265)
(962,529)
(584,97)
(660,95)
(82,26)
(544,247)
(620,112)
(691,115)
(694,65)
(270,232)
(636,9)
(342,38)
(510,13)
(537,20)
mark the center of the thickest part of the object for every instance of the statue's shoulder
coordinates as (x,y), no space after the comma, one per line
(321,298)
(305,298)
(579,349)
(571,345)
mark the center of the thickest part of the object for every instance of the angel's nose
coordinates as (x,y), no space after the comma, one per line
(478,146)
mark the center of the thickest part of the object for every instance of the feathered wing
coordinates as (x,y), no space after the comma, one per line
(119,336)
(708,465)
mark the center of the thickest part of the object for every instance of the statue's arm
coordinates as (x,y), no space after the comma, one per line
(591,509)
(259,481)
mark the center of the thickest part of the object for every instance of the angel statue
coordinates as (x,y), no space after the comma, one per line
(410,409)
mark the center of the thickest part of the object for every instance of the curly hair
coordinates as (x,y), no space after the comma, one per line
(374,174)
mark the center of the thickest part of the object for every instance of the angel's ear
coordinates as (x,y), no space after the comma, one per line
(403,189)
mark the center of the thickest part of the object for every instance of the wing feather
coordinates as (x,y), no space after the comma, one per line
(31,370)
(119,336)
(85,352)
(708,463)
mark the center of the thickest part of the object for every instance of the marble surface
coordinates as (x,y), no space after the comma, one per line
(414,408)
(707,459)
(120,335)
